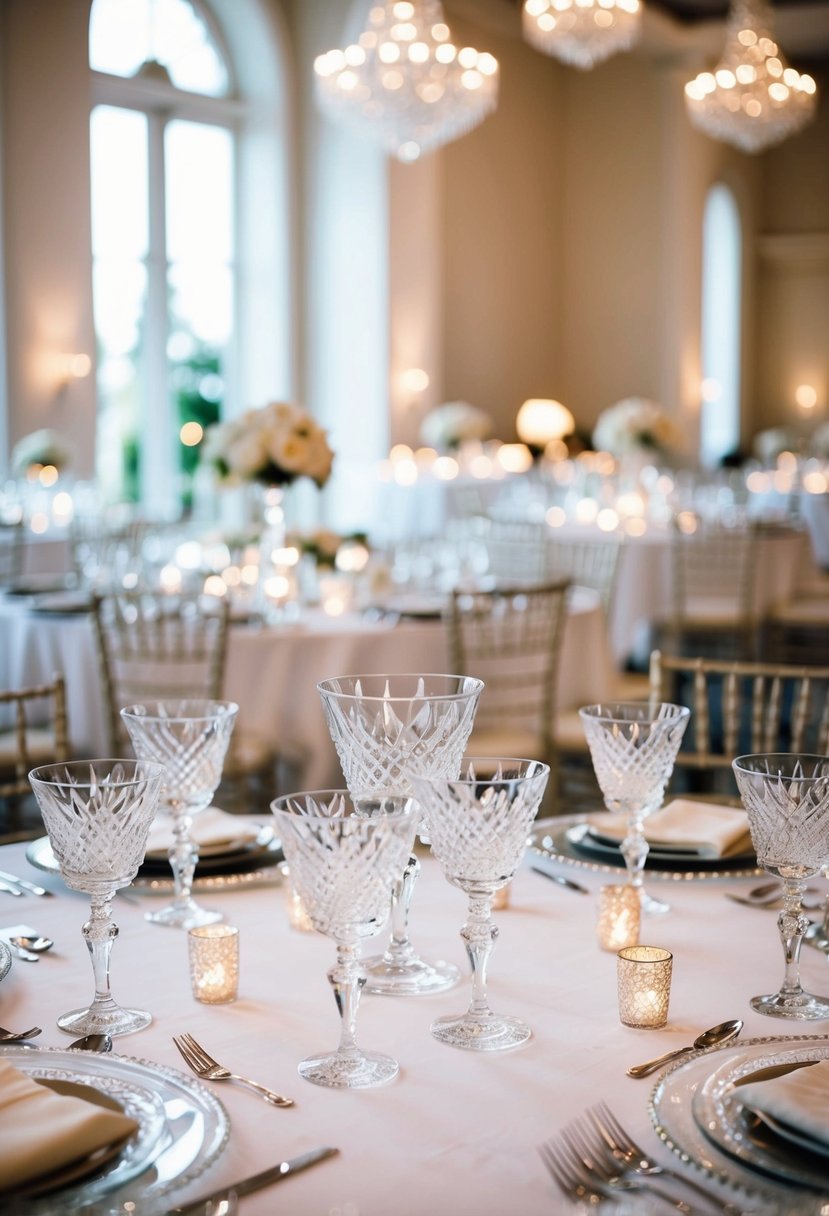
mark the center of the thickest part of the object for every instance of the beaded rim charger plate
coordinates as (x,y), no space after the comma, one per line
(568,839)
(5,959)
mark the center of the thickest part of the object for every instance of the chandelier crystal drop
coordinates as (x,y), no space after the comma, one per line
(752,99)
(404,81)
(581,33)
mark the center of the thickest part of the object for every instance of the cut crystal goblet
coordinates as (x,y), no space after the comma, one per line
(98,815)
(344,854)
(786,797)
(478,829)
(633,746)
(190,738)
(388,729)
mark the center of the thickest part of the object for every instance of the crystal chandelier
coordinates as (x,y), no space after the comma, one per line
(581,32)
(752,99)
(405,82)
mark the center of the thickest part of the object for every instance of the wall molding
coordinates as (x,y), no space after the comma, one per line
(795,251)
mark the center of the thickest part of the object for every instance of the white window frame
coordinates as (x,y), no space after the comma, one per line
(721,323)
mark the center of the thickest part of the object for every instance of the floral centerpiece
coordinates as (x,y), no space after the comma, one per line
(455,423)
(635,425)
(770,443)
(273,445)
(322,545)
(38,450)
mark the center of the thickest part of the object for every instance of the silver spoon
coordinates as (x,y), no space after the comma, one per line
(720,1033)
(92,1042)
(27,942)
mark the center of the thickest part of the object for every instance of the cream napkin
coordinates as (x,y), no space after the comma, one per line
(797,1099)
(702,829)
(213,830)
(41,1131)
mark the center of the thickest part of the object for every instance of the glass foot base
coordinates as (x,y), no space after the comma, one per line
(801,1006)
(650,905)
(111,1020)
(412,978)
(495,1033)
(187,916)
(359,1071)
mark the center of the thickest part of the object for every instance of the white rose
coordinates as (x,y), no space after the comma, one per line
(246,454)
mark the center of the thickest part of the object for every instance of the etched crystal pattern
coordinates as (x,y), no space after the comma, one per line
(190,738)
(633,752)
(787,801)
(478,828)
(384,740)
(98,817)
(342,863)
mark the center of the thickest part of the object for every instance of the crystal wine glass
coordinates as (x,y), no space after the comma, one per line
(190,738)
(344,854)
(388,729)
(786,797)
(633,746)
(98,815)
(478,830)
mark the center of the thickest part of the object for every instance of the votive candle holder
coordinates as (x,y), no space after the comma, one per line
(298,917)
(214,963)
(617,924)
(644,986)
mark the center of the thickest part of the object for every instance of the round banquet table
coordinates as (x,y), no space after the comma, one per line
(272,673)
(456,1133)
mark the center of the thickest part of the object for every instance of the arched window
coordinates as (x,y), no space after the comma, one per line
(721,326)
(168,135)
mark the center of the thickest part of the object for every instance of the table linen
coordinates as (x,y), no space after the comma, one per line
(456,1133)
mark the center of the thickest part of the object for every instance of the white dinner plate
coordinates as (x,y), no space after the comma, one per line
(672,1113)
(182,1127)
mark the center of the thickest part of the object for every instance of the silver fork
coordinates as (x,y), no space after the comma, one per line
(208,1069)
(605,1171)
(568,1177)
(630,1157)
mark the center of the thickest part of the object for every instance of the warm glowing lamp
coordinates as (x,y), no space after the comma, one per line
(541,421)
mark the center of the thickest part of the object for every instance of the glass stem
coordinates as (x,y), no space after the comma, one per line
(479,934)
(347,979)
(399,950)
(792,923)
(183,856)
(635,851)
(99,932)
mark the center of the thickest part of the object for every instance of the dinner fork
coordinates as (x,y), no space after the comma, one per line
(630,1157)
(11,1036)
(208,1069)
(604,1170)
(570,1180)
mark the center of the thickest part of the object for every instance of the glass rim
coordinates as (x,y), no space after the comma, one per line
(585,711)
(475,685)
(541,768)
(655,955)
(740,763)
(221,708)
(49,774)
(276,807)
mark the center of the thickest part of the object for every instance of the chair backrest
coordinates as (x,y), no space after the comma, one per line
(712,575)
(11,552)
(511,639)
(516,550)
(41,706)
(102,549)
(589,562)
(744,708)
(155,645)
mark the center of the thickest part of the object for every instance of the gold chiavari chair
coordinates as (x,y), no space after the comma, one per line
(34,731)
(12,536)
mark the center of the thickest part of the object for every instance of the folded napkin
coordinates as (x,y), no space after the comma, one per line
(797,1099)
(703,829)
(41,1131)
(214,831)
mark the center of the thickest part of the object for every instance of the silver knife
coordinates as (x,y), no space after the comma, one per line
(31,887)
(561,880)
(267,1178)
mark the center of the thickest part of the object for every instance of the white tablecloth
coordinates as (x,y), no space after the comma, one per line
(456,1133)
(272,672)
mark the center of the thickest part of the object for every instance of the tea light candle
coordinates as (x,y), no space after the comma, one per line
(644,985)
(298,917)
(618,921)
(214,963)
(500,899)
